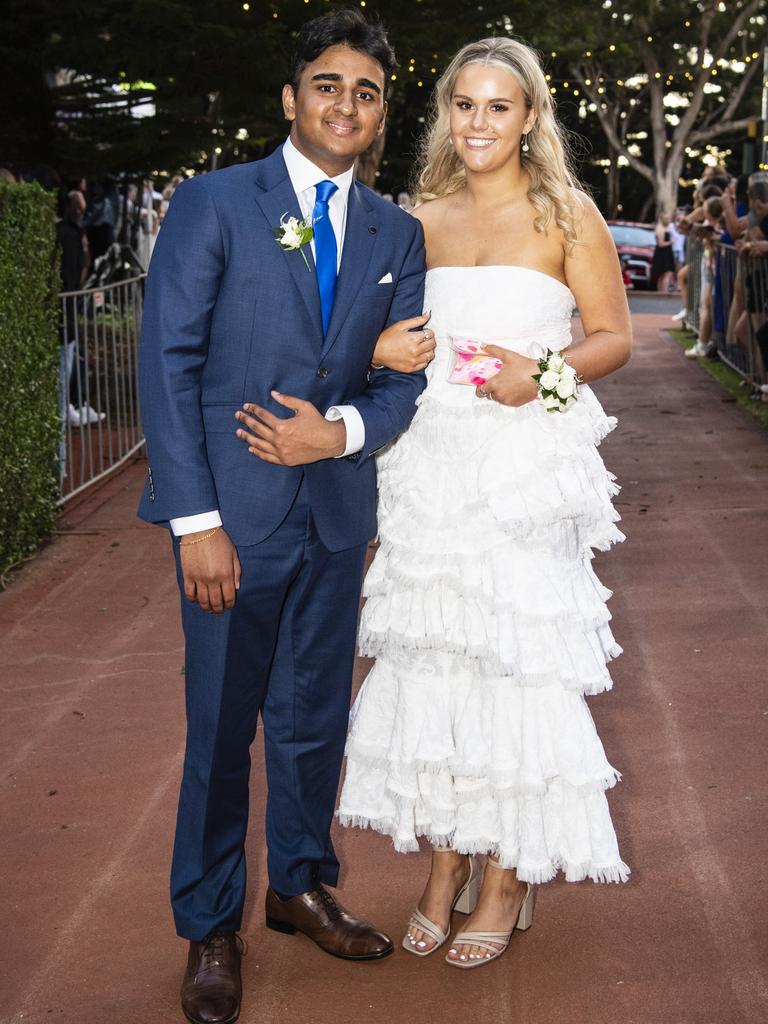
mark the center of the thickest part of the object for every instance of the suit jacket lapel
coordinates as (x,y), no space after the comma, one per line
(359,240)
(276,197)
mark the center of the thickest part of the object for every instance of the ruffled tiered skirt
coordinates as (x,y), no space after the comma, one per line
(489,627)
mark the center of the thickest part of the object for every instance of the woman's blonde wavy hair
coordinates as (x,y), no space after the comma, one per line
(439,170)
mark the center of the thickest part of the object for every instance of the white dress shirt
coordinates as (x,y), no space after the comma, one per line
(304,177)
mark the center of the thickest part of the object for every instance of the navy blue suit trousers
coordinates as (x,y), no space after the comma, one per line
(286,650)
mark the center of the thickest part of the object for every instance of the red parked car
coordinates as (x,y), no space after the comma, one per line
(635,243)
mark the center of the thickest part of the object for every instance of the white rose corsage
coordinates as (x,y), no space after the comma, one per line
(558,382)
(293,234)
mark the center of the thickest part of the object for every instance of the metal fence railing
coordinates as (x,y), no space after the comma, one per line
(695,256)
(724,291)
(98,397)
(754,275)
(733,288)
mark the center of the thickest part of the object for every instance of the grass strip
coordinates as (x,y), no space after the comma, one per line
(729,379)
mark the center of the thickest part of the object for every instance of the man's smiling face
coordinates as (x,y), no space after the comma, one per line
(338,109)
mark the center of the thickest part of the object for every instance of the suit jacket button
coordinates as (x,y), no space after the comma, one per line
(322,372)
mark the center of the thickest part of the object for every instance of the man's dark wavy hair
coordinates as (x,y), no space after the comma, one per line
(345,27)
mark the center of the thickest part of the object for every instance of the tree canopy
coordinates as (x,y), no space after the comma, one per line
(157,85)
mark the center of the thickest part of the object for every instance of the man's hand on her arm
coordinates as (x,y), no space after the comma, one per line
(210,568)
(297,440)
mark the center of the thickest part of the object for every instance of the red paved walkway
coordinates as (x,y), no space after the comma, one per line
(91,738)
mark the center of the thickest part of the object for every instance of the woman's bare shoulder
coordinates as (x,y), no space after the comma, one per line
(433,210)
(583,204)
(589,223)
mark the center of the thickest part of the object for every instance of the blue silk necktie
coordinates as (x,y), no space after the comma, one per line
(325,249)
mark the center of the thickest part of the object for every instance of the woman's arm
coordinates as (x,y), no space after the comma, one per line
(736,225)
(407,346)
(593,275)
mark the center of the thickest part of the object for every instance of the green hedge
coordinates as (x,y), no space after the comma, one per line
(29,370)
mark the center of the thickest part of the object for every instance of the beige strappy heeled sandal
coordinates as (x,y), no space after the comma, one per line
(465,903)
(494,943)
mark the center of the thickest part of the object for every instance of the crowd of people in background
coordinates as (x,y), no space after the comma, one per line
(105,227)
(95,214)
(727,220)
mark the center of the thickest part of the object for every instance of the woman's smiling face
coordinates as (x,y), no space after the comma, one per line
(489,116)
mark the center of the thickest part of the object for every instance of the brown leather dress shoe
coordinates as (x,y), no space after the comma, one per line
(211,990)
(322,919)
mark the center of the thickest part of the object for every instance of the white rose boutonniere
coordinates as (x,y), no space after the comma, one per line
(293,234)
(558,382)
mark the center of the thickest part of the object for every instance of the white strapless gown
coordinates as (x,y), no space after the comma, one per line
(485,617)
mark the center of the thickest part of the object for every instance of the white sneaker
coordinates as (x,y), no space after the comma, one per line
(84,415)
(91,415)
(680,315)
(696,351)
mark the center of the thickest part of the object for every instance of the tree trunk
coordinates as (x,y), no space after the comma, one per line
(645,210)
(666,186)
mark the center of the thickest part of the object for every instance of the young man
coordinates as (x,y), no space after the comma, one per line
(270,542)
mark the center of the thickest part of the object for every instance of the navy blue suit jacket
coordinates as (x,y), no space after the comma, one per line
(229,316)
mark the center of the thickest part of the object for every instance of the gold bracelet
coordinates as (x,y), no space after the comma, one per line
(189,543)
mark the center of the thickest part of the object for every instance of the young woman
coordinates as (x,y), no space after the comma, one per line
(486,620)
(663,264)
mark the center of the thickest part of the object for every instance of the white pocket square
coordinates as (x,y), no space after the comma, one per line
(387,279)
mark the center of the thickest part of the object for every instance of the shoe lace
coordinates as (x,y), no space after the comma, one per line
(215,951)
(328,902)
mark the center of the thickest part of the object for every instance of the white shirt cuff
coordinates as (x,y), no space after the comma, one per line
(354,425)
(195,524)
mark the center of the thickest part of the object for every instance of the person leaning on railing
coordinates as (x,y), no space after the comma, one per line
(707,229)
(752,243)
(735,203)
(758,291)
(686,222)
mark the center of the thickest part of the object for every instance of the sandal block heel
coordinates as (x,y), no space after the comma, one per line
(467,899)
(525,918)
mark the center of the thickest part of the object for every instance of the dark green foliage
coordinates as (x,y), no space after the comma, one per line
(29,370)
(71,73)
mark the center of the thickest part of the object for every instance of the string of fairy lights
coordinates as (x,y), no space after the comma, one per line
(590,81)
(680,75)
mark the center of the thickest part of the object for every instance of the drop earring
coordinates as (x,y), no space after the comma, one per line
(526,147)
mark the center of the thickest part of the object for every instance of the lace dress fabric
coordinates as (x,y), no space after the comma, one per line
(483,612)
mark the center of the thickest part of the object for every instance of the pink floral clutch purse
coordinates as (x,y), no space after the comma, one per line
(471,364)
